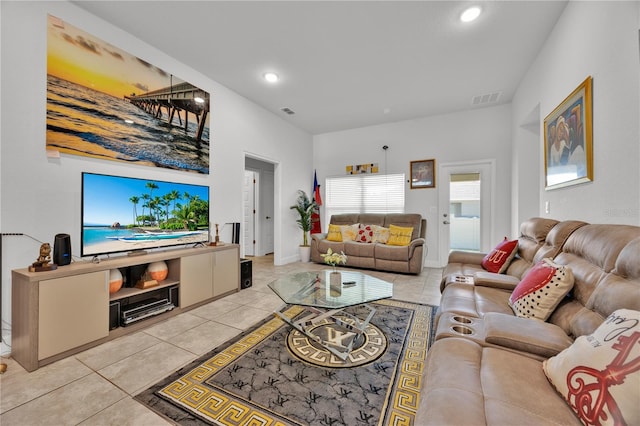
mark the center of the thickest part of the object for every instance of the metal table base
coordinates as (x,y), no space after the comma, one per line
(335,345)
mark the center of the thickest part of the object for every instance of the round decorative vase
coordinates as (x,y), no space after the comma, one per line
(335,284)
(158,271)
(115,280)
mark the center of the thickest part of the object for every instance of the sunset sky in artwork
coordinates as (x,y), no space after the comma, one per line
(77,56)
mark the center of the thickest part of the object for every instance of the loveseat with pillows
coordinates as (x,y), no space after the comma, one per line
(392,242)
(557,344)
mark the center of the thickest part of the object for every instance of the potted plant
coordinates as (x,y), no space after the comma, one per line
(305,208)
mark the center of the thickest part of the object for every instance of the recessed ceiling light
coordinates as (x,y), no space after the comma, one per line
(470,14)
(271,77)
(198,100)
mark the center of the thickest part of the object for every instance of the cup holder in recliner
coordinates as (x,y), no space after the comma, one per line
(462,320)
(461,329)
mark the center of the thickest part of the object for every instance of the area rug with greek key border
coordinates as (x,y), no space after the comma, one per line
(273,375)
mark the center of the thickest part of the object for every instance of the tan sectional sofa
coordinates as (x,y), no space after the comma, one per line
(486,365)
(404,259)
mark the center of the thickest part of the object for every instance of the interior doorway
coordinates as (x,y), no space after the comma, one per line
(465,200)
(258,208)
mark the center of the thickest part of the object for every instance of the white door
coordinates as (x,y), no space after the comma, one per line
(266,191)
(468,209)
(249,208)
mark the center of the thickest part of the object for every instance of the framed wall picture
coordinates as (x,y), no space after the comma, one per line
(568,140)
(423,174)
(103,102)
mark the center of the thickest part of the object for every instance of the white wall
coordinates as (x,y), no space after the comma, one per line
(41,197)
(599,39)
(465,136)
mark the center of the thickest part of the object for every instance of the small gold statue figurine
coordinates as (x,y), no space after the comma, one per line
(42,264)
(216,241)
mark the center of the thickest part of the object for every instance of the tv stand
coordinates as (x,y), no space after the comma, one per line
(65,311)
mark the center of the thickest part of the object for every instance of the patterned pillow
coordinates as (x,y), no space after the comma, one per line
(365,234)
(380,234)
(399,236)
(349,232)
(499,258)
(599,375)
(541,290)
(335,233)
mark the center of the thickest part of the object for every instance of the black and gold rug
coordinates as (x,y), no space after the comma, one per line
(272,375)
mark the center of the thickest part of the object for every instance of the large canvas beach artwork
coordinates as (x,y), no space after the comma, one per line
(105,103)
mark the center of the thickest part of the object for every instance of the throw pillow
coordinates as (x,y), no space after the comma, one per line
(499,258)
(365,234)
(599,375)
(349,232)
(399,235)
(335,233)
(541,290)
(380,234)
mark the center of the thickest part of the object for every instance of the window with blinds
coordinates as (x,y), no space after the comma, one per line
(365,193)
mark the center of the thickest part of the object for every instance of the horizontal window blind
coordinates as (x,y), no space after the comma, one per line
(365,193)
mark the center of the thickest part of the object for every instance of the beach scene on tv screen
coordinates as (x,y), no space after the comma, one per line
(127,214)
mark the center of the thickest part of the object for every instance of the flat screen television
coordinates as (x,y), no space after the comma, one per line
(125,214)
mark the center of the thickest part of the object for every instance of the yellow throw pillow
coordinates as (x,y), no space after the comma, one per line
(335,233)
(399,236)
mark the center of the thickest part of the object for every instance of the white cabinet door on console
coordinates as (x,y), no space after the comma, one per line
(196,279)
(73,311)
(226,270)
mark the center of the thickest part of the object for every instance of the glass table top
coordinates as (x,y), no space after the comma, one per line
(314,289)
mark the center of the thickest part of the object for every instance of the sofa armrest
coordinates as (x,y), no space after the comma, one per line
(415,243)
(524,334)
(466,257)
(491,279)
(319,236)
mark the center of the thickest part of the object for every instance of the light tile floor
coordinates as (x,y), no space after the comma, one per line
(96,387)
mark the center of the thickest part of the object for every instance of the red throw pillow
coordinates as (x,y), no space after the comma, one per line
(541,290)
(365,234)
(500,257)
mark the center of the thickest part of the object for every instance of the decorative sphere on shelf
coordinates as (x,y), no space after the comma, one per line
(158,270)
(115,280)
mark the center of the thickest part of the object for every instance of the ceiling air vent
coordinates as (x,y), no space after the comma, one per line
(287,110)
(489,98)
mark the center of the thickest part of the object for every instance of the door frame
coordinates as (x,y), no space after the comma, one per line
(258,225)
(487,170)
(254,192)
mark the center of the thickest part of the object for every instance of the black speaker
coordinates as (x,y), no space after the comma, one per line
(245,273)
(114,314)
(174,295)
(235,233)
(62,249)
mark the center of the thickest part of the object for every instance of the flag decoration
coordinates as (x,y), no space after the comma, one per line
(316,226)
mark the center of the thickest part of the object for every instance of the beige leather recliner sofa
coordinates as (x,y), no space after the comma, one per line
(494,375)
(383,257)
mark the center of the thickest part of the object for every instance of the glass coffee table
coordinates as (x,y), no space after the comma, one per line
(326,301)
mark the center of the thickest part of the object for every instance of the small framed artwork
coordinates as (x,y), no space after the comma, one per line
(568,140)
(362,168)
(423,174)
